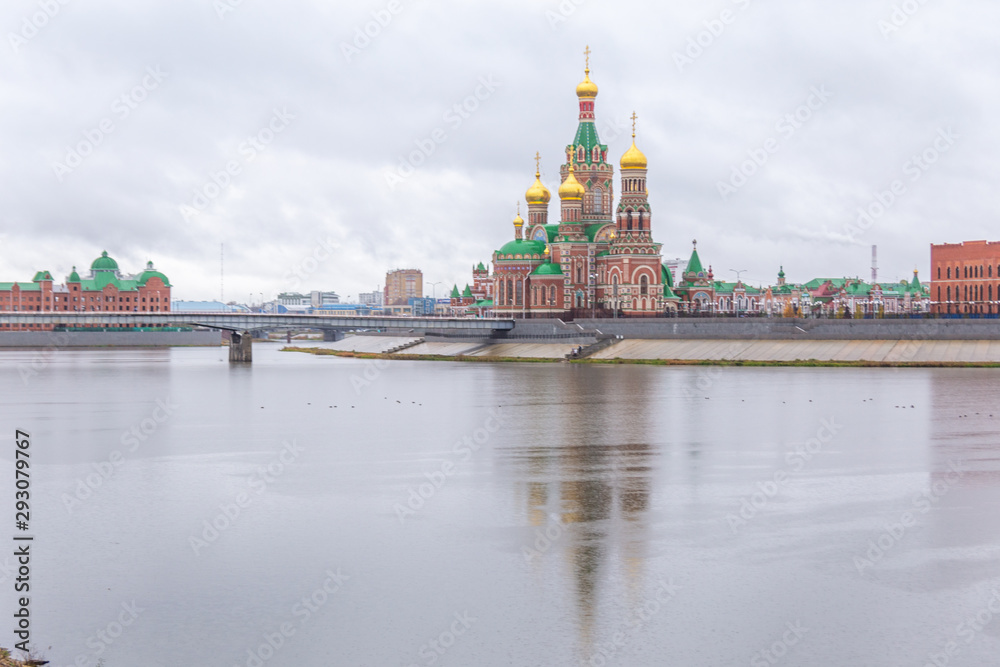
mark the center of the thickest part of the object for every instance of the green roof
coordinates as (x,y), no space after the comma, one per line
(858,288)
(480,267)
(694,264)
(150,273)
(548,269)
(454,293)
(74,277)
(522,247)
(668,278)
(668,293)
(40,276)
(25,287)
(483,303)
(104,263)
(467,292)
(593,229)
(816,283)
(586,136)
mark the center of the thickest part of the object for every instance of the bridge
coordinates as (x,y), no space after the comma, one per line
(241,324)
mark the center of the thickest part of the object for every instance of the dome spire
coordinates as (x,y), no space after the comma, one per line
(537,193)
(571,188)
(587,88)
(518,223)
(633,157)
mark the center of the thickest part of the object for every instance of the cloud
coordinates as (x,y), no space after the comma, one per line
(357,118)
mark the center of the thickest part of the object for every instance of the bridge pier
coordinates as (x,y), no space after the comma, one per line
(240,347)
(332,335)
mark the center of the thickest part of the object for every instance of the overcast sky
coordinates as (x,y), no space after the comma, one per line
(117,116)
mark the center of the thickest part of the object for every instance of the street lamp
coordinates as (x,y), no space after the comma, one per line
(434,289)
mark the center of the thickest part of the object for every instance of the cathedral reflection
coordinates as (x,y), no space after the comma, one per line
(590,486)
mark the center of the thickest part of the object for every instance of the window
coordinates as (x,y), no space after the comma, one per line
(629,219)
(949,273)
(949,293)
(939,274)
(597,201)
(552,295)
(640,221)
(644,285)
(519,293)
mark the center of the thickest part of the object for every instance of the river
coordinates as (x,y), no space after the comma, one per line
(324,511)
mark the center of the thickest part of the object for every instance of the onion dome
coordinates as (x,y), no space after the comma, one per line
(537,193)
(571,188)
(587,88)
(633,158)
(104,263)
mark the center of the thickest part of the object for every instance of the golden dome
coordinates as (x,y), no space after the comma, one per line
(537,193)
(587,88)
(633,158)
(571,188)
(518,220)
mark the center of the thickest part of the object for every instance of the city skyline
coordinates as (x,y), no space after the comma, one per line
(820,110)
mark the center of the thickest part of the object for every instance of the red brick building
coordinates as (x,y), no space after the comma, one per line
(965,277)
(105,289)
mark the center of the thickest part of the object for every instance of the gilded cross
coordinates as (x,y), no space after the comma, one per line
(633,124)
(537,160)
(586,52)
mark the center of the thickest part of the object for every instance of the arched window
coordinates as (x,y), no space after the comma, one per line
(640,221)
(644,285)
(939,273)
(552,295)
(519,292)
(939,291)
(949,293)
(628,220)
(989,271)
(510,292)
(597,201)
(949,273)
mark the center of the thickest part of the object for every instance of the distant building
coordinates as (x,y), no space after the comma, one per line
(371,298)
(420,306)
(965,277)
(318,299)
(401,285)
(104,289)
(294,299)
(208,307)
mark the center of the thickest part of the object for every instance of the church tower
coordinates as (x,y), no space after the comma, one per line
(538,197)
(633,219)
(633,261)
(589,156)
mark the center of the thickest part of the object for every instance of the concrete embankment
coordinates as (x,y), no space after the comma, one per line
(837,351)
(708,350)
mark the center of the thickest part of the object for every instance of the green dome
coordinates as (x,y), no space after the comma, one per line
(548,269)
(151,272)
(73,277)
(522,247)
(146,275)
(104,263)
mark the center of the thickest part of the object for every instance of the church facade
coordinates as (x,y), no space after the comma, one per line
(596,258)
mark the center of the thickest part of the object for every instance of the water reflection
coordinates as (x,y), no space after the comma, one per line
(589,489)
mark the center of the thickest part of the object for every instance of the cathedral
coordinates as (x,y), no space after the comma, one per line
(597,259)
